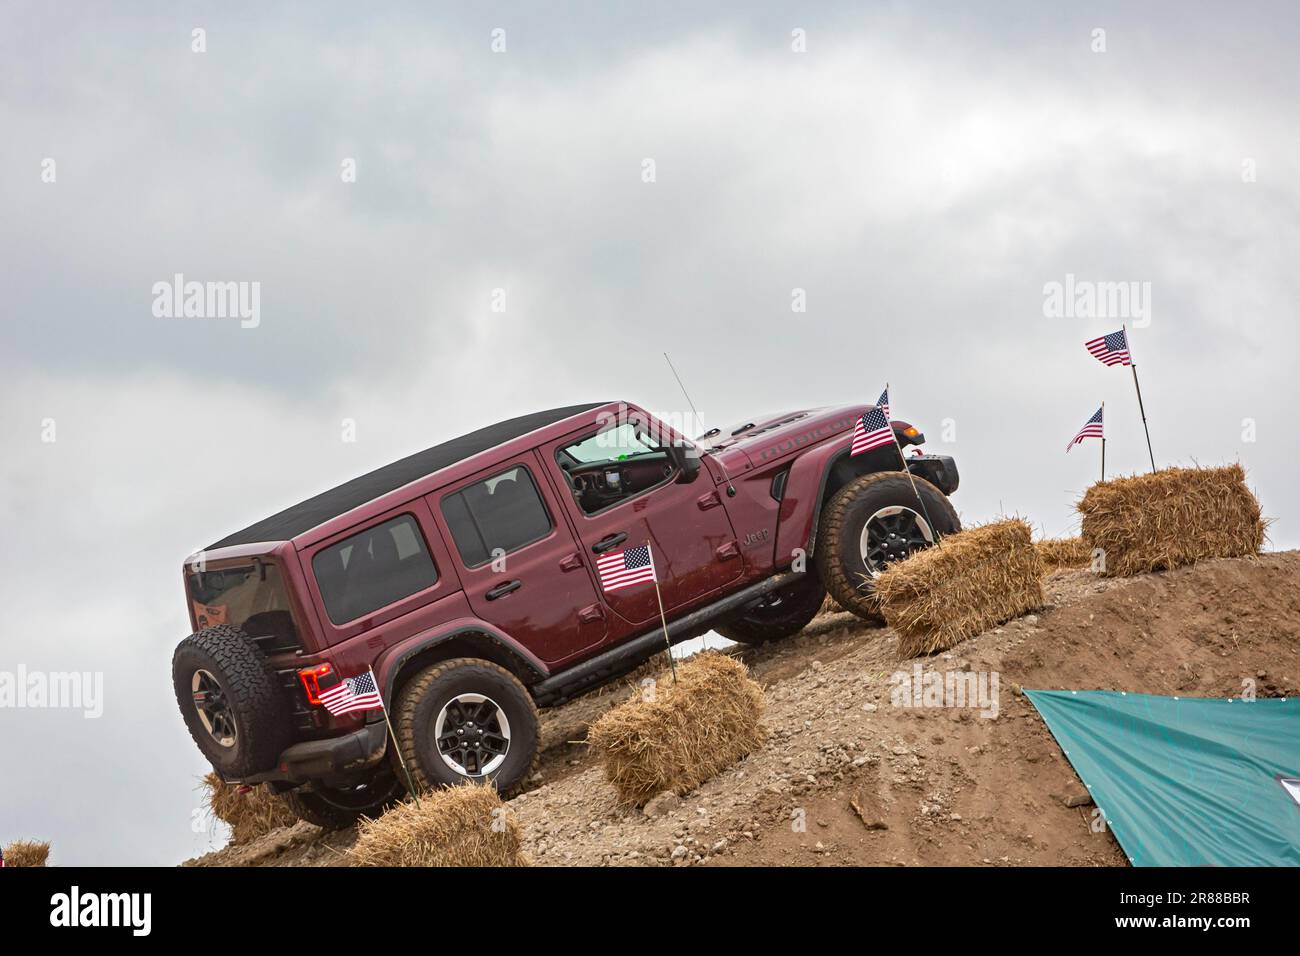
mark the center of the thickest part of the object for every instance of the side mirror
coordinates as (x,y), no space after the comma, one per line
(687,460)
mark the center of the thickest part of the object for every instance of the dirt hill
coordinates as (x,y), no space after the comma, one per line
(848,777)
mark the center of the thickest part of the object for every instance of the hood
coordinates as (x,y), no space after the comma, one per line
(764,440)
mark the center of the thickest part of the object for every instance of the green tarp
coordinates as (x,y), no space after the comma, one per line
(1186,781)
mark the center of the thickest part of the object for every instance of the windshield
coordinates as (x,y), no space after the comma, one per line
(250,597)
(613,444)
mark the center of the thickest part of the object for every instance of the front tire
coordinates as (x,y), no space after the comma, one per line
(869,524)
(784,614)
(467,720)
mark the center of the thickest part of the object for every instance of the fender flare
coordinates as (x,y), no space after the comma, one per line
(821,497)
(797,528)
(397,657)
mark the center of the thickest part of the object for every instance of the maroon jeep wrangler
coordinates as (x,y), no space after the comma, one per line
(466,577)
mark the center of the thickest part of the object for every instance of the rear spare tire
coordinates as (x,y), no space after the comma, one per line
(230,701)
(870,523)
(784,613)
(466,719)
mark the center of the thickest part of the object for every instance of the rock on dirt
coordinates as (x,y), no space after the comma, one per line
(662,803)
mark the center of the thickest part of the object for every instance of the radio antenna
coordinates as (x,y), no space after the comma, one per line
(685,393)
(731,489)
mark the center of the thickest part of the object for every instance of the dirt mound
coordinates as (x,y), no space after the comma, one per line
(855,773)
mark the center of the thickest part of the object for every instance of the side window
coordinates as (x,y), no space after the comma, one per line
(613,465)
(504,511)
(372,569)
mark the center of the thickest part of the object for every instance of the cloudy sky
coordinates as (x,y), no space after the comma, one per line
(922,173)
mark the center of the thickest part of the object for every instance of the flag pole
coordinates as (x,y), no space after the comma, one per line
(1103,441)
(396,746)
(1133,365)
(907,471)
(654,576)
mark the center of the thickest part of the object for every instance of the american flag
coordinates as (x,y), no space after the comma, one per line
(871,431)
(625,568)
(354,693)
(1091,429)
(1111,349)
(883,401)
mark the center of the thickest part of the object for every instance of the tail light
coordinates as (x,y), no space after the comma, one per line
(311,678)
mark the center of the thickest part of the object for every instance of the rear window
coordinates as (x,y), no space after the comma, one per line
(250,597)
(374,568)
(504,511)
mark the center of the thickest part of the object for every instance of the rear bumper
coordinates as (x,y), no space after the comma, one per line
(333,760)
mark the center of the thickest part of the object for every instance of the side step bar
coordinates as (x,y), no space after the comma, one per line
(624,657)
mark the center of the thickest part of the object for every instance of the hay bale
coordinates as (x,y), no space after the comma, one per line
(829,606)
(26,853)
(973,580)
(466,825)
(1174,517)
(682,734)
(250,814)
(1059,553)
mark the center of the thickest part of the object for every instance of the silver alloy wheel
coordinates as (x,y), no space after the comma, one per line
(213,708)
(473,735)
(891,534)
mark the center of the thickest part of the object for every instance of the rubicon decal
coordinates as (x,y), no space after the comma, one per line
(805,438)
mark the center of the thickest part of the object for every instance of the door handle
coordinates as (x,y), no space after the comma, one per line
(501,590)
(728,551)
(609,541)
(572,562)
(711,500)
(591,612)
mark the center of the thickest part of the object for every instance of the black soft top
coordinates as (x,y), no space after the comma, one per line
(316,510)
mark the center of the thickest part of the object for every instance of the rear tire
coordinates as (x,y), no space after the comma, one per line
(338,808)
(231,701)
(466,720)
(788,612)
(870,523)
